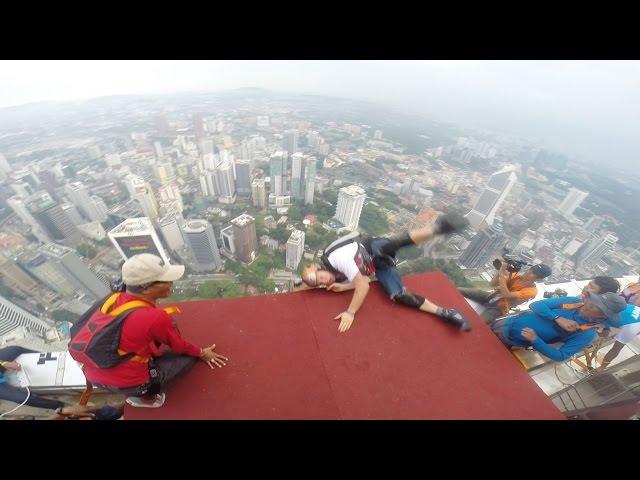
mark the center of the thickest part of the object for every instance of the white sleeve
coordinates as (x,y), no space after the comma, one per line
(627,333)
(343,261)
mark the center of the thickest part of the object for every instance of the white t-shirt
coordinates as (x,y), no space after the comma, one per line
(342,260)
(628,333)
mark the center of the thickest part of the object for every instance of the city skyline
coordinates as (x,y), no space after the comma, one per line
(583,108)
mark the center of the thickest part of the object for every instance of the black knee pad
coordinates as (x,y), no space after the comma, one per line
(409,299)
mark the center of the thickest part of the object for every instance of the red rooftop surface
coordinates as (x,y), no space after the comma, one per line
(287,360)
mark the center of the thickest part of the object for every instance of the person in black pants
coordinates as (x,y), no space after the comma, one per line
(18,394)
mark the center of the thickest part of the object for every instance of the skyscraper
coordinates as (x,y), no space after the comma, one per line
(171,228)
(350,202)
(12,316)
(74,271)
(208,183)
(18,205)
(163,172)
(16,278)
(201,239)
(277,170)
(246,240)
(228,241)
(112,160)
(259,193)
(225,184)
(572,201)
(295,249)
(136,235)
(79,196)
(297,187)
(171,192)
(142,193)
(484,246)
(53,218)
(497,189)
(309,179)
(594,250)
(290,141)
(243,177)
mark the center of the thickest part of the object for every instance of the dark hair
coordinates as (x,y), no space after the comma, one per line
(607,284)
(138,288)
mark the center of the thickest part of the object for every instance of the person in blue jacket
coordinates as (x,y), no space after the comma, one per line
(570,321)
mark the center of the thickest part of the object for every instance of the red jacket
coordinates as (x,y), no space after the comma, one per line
(139,332)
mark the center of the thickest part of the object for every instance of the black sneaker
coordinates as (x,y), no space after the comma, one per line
(450,223)
(456,318)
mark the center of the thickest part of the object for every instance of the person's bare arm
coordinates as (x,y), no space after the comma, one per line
(611,355)
(341,287)
(361,284)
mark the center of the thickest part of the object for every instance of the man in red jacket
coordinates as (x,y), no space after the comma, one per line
(145,377)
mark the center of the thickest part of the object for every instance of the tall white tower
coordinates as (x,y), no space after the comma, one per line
(484,211)
(350,203)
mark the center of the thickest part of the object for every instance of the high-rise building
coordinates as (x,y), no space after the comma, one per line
(157,148)
(262,121)
(595,249)
(228,241)
(99,208)
(142,193)
(309,179)
(484,246)
(208,183)
(290,141)
(171,192)
(78,193)
(72,213)
(202,241)
(112,160)
(497,189)
(259,193)
(18,205)
(22,189)
(243,177)
(16,278)
(162,125)
(75,272)
(245,238)
(53,218)
(277,172)
(297,187)
(295,249)
(377,135)
(163,172)
(572,201)
(199,125)
(225,184)
(313,139)
(350,202)
(136,235)
(171,228)
(12,316)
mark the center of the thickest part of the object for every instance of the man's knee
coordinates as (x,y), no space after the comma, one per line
(409,299)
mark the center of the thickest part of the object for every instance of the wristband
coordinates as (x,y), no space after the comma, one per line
(2,362)
(350,313)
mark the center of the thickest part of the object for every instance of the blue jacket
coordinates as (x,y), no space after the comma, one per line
(541,318)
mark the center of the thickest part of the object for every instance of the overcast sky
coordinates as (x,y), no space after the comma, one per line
(585,108)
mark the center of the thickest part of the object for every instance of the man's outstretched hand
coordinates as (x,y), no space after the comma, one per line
(346,319)
(212,358)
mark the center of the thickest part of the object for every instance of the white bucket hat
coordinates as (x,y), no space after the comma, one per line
(148,268)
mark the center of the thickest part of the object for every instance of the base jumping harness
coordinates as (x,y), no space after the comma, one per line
(95,337)
(363,258)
